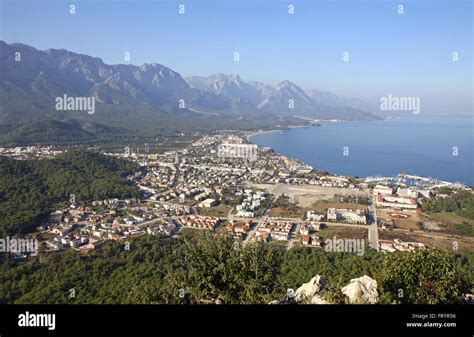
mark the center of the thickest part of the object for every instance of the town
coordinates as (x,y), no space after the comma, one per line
(225,183)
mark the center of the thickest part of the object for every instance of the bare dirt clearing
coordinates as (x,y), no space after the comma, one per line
(307,195)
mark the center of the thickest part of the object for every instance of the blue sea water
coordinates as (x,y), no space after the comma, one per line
(417,144)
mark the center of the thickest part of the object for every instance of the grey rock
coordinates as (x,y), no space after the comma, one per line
(362,290)
(310,290)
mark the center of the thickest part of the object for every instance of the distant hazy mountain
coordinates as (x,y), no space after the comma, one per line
(284,99)
(330,99)
(151,96)
(230,86)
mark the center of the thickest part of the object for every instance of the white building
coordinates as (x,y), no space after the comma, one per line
(407,192)
(208,203)
(313,216)
(347,215)
(396,202)
(231,150)
(383,190)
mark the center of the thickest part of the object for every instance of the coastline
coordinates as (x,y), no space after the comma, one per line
(439,180)
(313,123)
(261,132)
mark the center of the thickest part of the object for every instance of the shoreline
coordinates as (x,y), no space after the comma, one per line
(262,132)
(313,123)
(395,176)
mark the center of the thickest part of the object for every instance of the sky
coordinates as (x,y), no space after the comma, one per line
(409,54)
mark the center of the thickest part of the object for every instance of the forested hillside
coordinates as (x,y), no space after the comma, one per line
(210,267)
(29,189)
(460,202)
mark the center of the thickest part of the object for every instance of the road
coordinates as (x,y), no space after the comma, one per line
(293,235)
(148,222)
(259,221)
(344,224)
(373,230)
(230,216)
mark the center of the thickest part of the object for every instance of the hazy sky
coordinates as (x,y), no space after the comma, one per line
(402,54)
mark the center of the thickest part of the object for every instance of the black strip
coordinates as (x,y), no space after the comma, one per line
(222,320)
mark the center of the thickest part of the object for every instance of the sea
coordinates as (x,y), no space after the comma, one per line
(429,146)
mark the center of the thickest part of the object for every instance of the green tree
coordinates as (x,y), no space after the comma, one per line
(215,268)
(422,277)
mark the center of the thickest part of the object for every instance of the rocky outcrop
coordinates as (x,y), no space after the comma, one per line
(289,298)
(308,293)
(362,290)
(468,298)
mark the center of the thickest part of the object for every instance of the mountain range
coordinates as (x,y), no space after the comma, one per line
(276,99)
(149,99)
